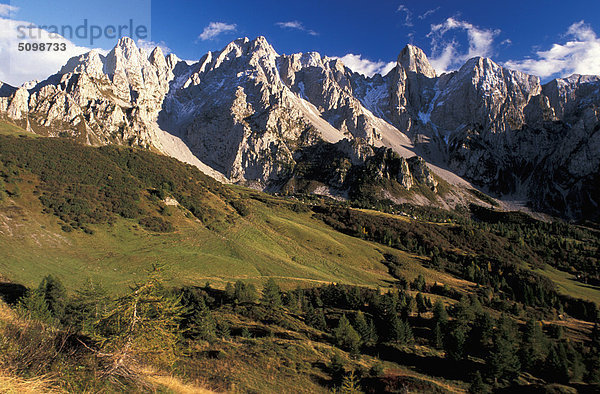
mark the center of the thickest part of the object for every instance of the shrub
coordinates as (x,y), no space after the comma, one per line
(156,224)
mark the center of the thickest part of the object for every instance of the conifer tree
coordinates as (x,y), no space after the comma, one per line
(346,336)
(201,323)
(88,305)
(34,306)
(477,385)
(437,336)
(503,361)
(454,341)
(534,346)
(142,325)
(365,329)
(419,283)
(336,368)
(557,364)
(55,295)
(440,315)
(350,384)
(229,292)
(482,333)
(271,294)
(421,304)
(315,317)
(400,331)
(244,292)
(593,359)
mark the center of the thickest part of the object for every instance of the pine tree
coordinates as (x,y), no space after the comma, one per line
(482,334)
(336,368)
(477,386)
(373,338)
(593,359)
(401,331)
(55,295)
(365,329)
(421,304)
(454,341)
(88,305)
(229,292)
(593,367)
(201,323)
(503,361)
(141,325)
(595,340)
(419,283)
(534,346)
(34,306)
(271,294)
(292,302)
(437,336)
(315,318)
(244,292)
(350,384)
(440,315)
(557,364)
(576,365)
(464,311)
(346,336)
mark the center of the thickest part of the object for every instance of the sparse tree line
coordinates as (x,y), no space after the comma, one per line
(484,257)
(150,324)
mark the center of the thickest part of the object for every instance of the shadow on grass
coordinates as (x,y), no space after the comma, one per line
(429,365)
(12,292)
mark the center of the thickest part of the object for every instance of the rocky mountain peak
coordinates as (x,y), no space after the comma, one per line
(127,46)
(91,63)
(157,56)
(413,59)
(260,43)
(566,94)
(248,112)
(125,56)
(242,51)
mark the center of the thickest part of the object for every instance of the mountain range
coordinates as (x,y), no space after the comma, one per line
(306,123)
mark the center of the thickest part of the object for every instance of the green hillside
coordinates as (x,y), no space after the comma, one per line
(98,233)
(424,299)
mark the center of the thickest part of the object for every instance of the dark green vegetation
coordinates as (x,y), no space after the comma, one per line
(425,299)
(318,338)
(499,256)
(326,165)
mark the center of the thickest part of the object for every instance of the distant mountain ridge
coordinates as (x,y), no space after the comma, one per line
(249,114)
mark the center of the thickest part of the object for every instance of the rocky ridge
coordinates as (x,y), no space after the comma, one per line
(255,116)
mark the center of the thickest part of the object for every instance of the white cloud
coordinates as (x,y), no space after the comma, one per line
(579,55)
(429,12)
(214,29)
(17,66)
(149,46)
(296,25)
(7,9)
(291,25)
(365,66)
(447,54)
(408,15)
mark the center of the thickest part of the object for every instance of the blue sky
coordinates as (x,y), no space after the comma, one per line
(548,38)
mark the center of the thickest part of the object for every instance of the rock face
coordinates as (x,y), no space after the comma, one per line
(99,99)
(257,117)
(266,106)
(499,128)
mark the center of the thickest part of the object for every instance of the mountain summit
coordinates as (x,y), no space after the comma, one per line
(413,59)
(251,115)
